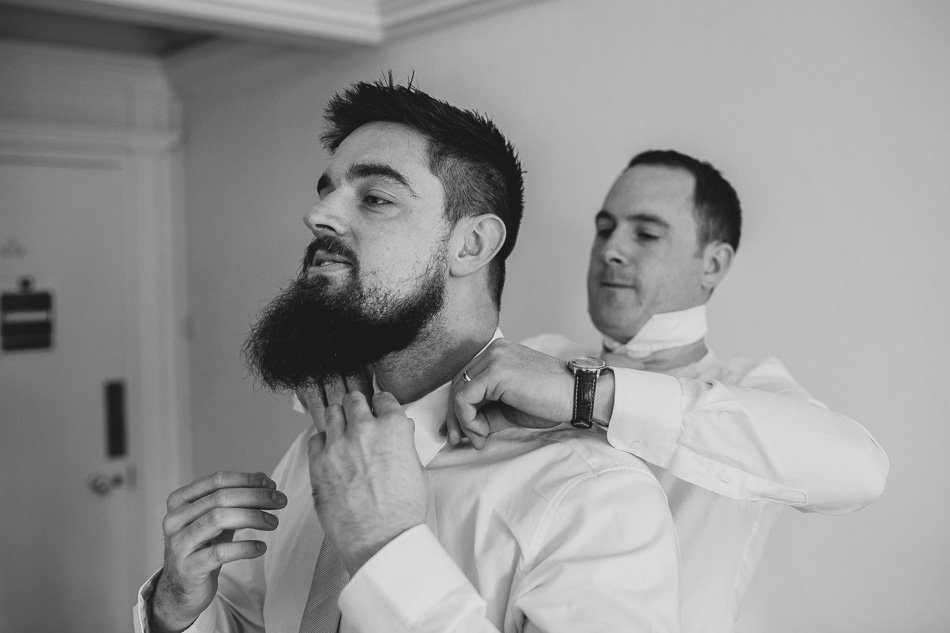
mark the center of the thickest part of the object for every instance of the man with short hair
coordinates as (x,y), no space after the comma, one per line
(731,441)
(383,526)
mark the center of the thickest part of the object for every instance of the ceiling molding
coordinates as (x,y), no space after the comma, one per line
(347,21)
(265,38)
(353,21)
(301,22)
(402,18)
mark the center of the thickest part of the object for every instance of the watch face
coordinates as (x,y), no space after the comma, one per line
(587,363)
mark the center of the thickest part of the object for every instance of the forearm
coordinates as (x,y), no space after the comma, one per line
(748,443)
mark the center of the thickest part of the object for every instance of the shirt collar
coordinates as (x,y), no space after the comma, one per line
(663,331)
(429,412)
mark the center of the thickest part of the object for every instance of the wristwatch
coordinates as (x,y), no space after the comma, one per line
(586,370)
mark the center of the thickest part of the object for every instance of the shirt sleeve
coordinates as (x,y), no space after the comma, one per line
(238,605)
(763,438)
(605,559)
(434,597)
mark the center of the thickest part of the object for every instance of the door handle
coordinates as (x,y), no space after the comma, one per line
(102,484)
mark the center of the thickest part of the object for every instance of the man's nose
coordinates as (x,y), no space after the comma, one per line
(326,215)
(616,250)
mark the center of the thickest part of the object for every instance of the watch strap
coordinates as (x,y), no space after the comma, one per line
(585,387)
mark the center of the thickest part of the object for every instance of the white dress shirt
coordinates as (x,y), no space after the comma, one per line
(539,531)
(733,442)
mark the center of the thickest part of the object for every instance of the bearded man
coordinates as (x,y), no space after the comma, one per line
(384,526)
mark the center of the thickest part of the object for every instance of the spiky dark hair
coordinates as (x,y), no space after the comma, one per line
(477,166)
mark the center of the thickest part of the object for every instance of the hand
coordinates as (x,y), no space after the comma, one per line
(199,530)
(531,389)
(316,399)
(368,484)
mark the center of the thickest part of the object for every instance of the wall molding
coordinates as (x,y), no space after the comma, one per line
(46,134)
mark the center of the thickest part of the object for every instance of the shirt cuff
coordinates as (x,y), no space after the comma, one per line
(647,414)
(413,585)
(204,624)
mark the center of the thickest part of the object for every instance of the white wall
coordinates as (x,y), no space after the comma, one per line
(833,122)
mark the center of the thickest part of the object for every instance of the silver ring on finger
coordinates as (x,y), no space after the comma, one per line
(466,377)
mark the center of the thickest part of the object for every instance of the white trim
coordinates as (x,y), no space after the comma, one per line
(354,21)
(403,18)
(52,135)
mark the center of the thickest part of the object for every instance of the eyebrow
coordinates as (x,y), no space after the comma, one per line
(359,171)
(603,214)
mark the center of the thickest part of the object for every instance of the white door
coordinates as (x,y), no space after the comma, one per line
(65,555)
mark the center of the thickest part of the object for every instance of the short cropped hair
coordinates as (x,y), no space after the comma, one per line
(478,167)
(715,202)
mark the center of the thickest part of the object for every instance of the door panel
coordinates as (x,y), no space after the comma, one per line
(66,563)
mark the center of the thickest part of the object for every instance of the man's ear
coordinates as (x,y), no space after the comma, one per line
(475,241)
(717,259)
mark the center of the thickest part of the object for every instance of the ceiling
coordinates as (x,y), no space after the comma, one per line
(57,28)
(163,28)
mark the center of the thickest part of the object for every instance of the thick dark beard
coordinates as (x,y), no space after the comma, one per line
(312,332)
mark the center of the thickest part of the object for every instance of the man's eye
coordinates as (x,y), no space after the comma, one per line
(375,200)
(647,237)
(604,231)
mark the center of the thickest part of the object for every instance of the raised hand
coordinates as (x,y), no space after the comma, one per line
(199,531)
(368,484)
(509,384)
(316,399)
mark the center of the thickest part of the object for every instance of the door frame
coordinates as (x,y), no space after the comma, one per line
(159,425)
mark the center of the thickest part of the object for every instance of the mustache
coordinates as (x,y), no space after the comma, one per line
(330,244)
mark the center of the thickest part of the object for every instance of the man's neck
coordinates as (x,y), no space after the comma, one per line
(432,360)
(665,342)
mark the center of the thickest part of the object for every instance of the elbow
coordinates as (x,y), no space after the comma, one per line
(877,477)
(861,481)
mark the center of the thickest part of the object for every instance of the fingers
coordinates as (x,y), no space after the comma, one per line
(221,479)
(220,500)
(467,397)
(300,401)
(355,409)
(203,516)
(317,442)
(361,384)
(335,419)
(385,403)
(314,397)
(208,559)
(217,522)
